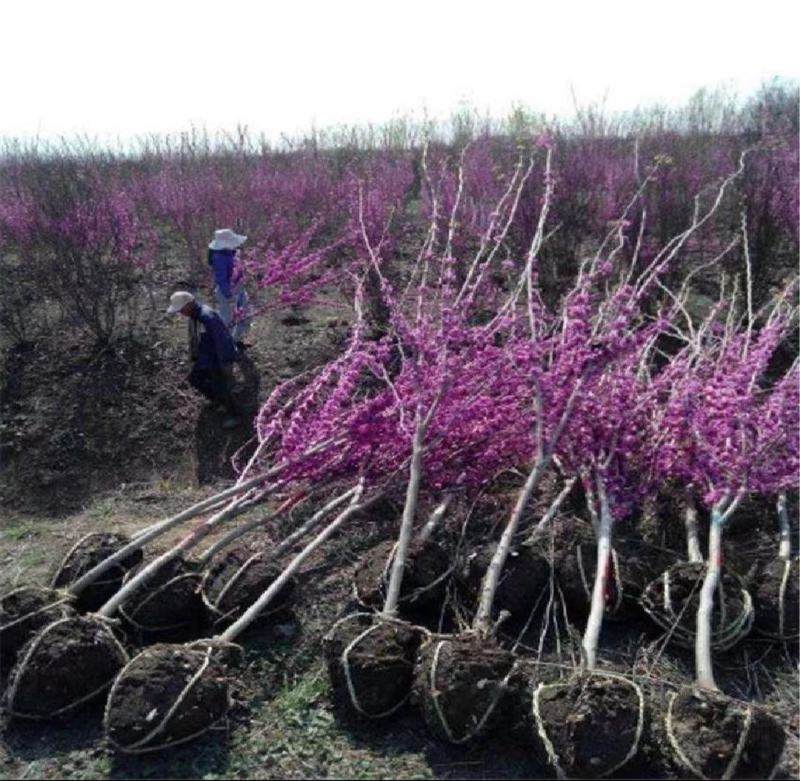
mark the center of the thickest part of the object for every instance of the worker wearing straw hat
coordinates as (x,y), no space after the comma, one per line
(213,353)
(232,301)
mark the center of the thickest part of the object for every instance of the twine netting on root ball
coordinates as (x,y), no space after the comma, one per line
(776,595)
(370,660)
(23,612)
(70,662)
(169,601)
(589,726)
(88,552)
(233,583)
(462,686)
(672,601)
(427,568)
(167,695)
(714,736)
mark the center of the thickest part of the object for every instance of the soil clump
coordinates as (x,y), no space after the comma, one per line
(777,599)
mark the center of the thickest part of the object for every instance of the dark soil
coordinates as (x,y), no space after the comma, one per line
(23,612)
(252,573)
(524,576)
(89,552)
(778,615)
(168,602)
(152,684)
(684,584)
(591,723)
(380,665)
(424,577)
(70,661)
(467,680)
(707,728)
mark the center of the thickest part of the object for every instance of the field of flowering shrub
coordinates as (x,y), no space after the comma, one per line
(570,374)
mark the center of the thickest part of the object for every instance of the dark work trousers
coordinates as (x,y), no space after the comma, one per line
(213,385)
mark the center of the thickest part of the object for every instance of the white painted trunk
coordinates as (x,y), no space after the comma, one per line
(693,551)
(704,668)
(156,530)
(186,544)
(435,517)
(407,523)
(785,547)
(482,621)
(252,613)
(591,635)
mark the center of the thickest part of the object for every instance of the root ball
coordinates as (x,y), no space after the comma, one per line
(68,663)
(23,612)
(777,599)
(87,553)
(672,600)
(237,580)
(714,736)
(168,694)
(370,662)
(462,686)
(168,602)
(589,726)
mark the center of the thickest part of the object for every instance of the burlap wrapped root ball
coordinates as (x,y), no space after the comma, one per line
(462,684)
(714,736)
(167,695)
(86,554)
(370,660)
(425,575)
(237,580)
(522,582)
(776,598)
(589,726)
(672,599)
(25,611)
(70,662)
(168,602)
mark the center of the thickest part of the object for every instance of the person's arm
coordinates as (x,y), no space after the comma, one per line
(222,277)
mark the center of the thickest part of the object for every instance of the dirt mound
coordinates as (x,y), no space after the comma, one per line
(237,580)
(82,419)
(23,612)
(70,662)
(166,695)
(461,684)
(88,552)
(424,577)
(714,736)
(777,599)
(371,663)
(672,601)
(590,726)
(167,602)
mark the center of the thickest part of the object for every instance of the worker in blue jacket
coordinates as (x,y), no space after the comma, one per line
(213,352)
(232,302)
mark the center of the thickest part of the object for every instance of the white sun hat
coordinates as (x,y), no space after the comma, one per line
(225,238)
(178,300)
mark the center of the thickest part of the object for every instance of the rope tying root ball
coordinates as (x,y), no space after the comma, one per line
(370,661)
(672,601)
(23,612)
(84,555)
(589,726)
(461,684)
(70,662)
(233,583)
(714,736)
(167,695)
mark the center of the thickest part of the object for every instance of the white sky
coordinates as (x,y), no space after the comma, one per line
(114,68)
